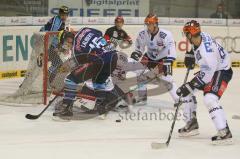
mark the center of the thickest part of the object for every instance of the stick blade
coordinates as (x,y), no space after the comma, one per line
(157,145)
(236,117)
(31,117)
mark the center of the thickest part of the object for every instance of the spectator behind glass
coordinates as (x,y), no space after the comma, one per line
(220,13)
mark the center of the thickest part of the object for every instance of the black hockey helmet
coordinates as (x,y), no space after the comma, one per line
(63,10)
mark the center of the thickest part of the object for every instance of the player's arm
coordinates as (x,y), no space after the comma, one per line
(107,35)
(54,24)
(126,41)
(169,46)
(208,65)
(126,37)
(139,46)
(171,50)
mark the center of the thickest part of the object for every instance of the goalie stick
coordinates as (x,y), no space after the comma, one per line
(158,145)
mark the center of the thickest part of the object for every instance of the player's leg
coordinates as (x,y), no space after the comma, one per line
(98,70)
(190,117)
(71,82)
(100,83)
(212,93)
(141,99)
(166,67)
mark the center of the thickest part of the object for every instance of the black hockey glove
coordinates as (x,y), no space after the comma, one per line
(136,55)
(195,83)
(189,60)
(185,90)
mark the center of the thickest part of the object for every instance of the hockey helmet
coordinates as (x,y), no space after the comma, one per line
(64,10)
(151,19)
(192,28)
(119,19)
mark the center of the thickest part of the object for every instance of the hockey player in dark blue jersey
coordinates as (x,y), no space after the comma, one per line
(95,60)
(57,23)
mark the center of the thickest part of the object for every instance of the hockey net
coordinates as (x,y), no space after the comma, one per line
(43,63)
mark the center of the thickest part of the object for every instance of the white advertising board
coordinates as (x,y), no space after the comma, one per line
(15,42)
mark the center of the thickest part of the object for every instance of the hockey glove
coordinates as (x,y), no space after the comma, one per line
(189,60)
(195,83)
(185,90)
(136,55)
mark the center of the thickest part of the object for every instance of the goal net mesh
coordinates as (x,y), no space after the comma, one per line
(43,63)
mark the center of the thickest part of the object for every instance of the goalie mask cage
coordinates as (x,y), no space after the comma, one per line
(34,88)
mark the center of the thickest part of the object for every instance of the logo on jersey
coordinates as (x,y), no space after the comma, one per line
(86,39)
(198,55)
(205,68)
(151,44)
(115,34)
(79,37)
(141,34)
(160,43)
(162,35)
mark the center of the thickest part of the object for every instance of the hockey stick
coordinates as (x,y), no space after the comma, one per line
(108,106)
(158,145)
(33,117)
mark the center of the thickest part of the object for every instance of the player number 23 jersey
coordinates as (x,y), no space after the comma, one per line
(211,57)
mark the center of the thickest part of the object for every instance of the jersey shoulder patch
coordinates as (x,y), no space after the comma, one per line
(141,34)
(198,55)
(162,35)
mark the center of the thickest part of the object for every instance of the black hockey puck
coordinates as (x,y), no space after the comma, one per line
(118,120)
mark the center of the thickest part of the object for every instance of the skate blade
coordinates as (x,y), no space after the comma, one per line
(102,117)
(236,117)
(189,134)
(140,104)
(157,145)
(61,119)
(223,142)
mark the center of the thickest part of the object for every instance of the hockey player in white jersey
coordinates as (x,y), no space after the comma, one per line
(159,56)
(213,78)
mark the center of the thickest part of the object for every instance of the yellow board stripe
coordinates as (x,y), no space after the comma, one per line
(180,64)
(21,73)
(12,74)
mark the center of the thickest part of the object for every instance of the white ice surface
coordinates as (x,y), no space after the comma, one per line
(105,139)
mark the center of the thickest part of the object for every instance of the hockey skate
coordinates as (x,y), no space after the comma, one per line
(223,137)
(190,129)
(140,101)
(64,112)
